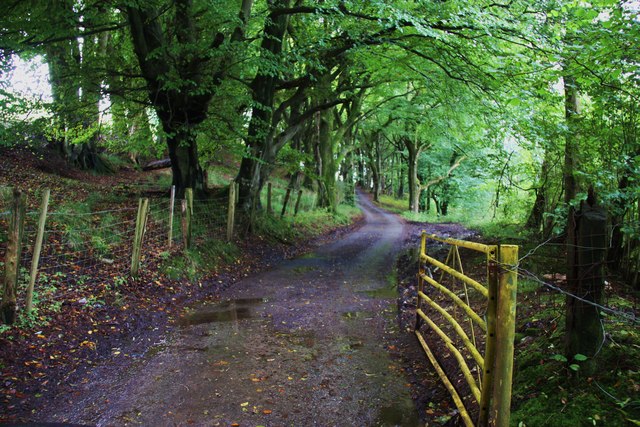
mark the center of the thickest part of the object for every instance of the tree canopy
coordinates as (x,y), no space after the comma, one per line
(428,98)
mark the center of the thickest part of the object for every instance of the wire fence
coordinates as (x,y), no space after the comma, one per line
(87,244)
(546,266)
(83,247)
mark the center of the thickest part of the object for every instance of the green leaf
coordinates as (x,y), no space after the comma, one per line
(559,358)
(574,367)
(580,357)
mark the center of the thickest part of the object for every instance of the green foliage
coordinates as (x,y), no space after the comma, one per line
(82,230)
(278,194)
(199,261)
(305,225)
(549,388)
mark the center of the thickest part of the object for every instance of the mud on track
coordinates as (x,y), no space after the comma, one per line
(303,344)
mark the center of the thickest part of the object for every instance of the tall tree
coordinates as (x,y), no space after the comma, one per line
(183,62)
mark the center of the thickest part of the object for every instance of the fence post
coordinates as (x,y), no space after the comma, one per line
(505,334)
(295,210)
(285,202)
(231,211)
(269,205)
(37,248)
(141,225)
(12,261)
(186,206)
(172,202)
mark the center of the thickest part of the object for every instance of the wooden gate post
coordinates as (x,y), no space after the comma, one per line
(505,334)
(231,210)
(12,262)
(35,260)
(490,343)
(141,225)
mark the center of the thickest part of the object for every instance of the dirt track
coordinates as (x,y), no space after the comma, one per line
(303,344)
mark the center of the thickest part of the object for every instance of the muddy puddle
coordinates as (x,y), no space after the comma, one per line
(227,311)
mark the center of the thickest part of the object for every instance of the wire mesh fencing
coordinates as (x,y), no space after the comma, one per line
(78,247)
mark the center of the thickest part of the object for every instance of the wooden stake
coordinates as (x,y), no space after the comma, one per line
(141,225)
(189,217)
(183,222)
(37,248)
(295,211)
(231,210)
(12,261)
(172,202)
(285,202)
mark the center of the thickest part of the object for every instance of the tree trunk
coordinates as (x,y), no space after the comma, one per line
(534,222)
(327,172)
(361,173)
(427,207)
(347,179)
(400,192)
(583,324)
(375,164)
(185,167)
(618,212)
(259,139)
(414,185)
(585,247)
(569,180)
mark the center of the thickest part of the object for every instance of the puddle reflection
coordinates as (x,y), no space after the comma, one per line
(226,311)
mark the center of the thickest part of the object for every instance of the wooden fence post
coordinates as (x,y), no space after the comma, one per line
(172,202)
(141,225)
(295,210)
(285,202)
(231,211)
(505,334)
(188,194)
(12,262)
(269,205)
(37,248)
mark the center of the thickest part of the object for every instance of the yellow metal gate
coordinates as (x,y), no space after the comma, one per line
(490,388)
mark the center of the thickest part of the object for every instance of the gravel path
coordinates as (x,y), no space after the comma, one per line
(304,344)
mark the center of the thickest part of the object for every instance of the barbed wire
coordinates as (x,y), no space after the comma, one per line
(531,276)
(526,274)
